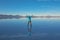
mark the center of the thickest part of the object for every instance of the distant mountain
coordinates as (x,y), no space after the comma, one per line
(9,16)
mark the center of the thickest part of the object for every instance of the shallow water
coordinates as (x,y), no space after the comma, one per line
(16,29)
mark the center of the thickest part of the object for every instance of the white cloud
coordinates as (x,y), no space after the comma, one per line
(48,0)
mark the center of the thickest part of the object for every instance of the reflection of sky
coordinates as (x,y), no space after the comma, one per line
(41,29)
(29,6)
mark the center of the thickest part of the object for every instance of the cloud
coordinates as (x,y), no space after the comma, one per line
(48,0)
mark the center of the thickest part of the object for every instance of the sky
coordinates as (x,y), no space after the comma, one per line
(29,7)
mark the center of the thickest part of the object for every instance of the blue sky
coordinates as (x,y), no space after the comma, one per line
(29,7)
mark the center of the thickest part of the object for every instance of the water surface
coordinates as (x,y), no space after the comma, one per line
(16,29)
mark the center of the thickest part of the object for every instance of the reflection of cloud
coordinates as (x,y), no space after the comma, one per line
(12,36)
(37,36)
(57,34)
(19,35)
(40,34)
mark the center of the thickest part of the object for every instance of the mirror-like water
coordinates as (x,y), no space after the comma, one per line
(41,30)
